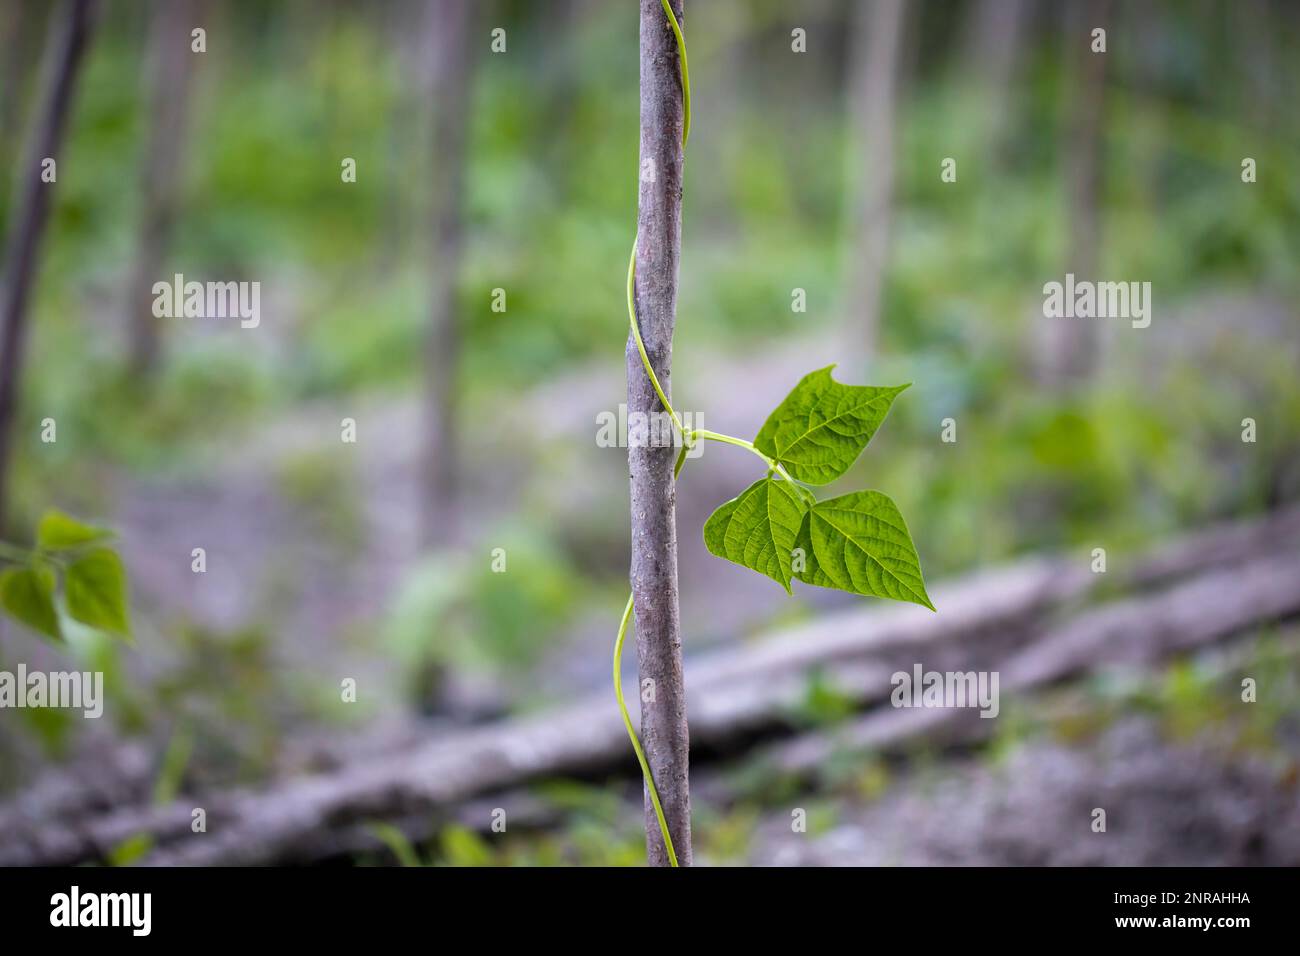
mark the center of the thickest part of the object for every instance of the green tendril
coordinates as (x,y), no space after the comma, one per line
(640,345)
(686,73)
(631,733)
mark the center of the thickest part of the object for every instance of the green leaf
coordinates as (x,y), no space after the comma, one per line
(58,531)
(463,847)
(27,594)
(860,543)
(821,427)
(758,528)
(130,850)
(396,841)
(95,589)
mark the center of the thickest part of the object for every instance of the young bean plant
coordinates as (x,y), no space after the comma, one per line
(856,542)
(71,576)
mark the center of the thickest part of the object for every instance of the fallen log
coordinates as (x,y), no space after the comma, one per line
(1093,642)
(1187,616)
(734,691)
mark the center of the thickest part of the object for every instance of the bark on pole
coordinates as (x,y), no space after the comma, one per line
(70,34)
(654,498)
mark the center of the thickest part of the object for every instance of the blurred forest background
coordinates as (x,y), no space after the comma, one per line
(476,429)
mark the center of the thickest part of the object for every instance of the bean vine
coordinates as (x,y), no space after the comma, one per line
(777,526)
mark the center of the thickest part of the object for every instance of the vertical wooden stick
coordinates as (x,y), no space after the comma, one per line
(664,732)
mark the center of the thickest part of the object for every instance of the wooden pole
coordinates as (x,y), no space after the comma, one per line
(664,732)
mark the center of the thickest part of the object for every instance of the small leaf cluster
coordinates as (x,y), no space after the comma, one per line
(72,573)
(856,542)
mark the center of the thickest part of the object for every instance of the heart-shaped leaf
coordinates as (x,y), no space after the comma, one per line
(821,427)
(860,543)
(58,531)
(758,528)
(95,588)
(27,594)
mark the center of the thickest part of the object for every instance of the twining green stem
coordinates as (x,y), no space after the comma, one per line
(640,345)
(681,460)
(686,73)
(687,441)
(803,492)
(730,440)
(622,704)
(631,733)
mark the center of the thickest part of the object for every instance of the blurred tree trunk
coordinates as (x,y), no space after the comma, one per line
(1254,35)
(69,36)
(414,36)
(1073,344)
(559,37)
(995,33)
(170,73)
(664,731)
(450,79)
(18,29)
(1144,69)
(874,65)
